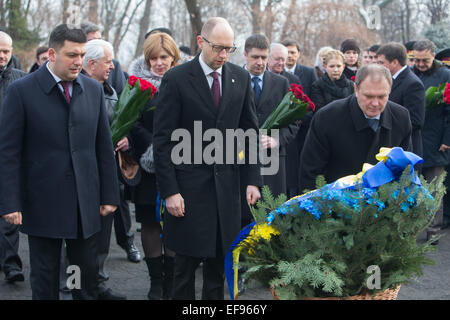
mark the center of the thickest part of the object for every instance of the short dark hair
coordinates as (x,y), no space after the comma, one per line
(426,44)
(374,48)
(63,33)
(392,51)
(291,42)
(258,41)
(40,51)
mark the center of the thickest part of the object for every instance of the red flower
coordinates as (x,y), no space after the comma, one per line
(311,106)
(132,80)
(145,85)
(447,94)
(353,78)
(297,90)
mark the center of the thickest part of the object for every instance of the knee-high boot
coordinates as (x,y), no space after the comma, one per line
(155,271)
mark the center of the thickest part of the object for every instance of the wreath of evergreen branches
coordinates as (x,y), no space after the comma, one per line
(330,257)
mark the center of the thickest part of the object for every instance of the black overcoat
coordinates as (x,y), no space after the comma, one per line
(211,192)
(340,140)
(56,159)
(409,92)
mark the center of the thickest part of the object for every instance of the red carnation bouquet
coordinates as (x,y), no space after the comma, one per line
(130,106)
(438,95)
(294,106)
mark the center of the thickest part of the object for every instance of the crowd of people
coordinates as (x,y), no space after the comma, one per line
(62,187)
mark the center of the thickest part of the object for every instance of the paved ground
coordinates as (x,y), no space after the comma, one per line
(132,279)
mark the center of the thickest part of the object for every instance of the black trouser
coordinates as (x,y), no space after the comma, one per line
(213,275)
(104,241)
(45,255)
(122,221)
(9,247)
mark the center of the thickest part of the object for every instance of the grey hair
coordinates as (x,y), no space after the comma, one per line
(426,44)
(278,46)
(89,27)
(95,50)
(5,37)
(374,71)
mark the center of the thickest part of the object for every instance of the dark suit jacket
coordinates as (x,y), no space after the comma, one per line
(274,89)
(292,78)
(307,77)
(56,160)
(211,192)
(340,140)
(409,92)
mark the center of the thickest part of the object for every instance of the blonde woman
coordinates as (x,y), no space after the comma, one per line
(161,54)
(333,85)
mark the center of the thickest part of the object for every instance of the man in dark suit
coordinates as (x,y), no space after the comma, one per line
(407,89)
(366,122)
(269,89)
(306,74)
(203,200)
(57,165)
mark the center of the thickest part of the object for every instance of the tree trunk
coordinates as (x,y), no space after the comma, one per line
(93,11)
(195,18)
(65,13)
(143,28)
(256,16)
(288,21)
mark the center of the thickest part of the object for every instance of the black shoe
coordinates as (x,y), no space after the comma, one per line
(108,294)
(133,253)
(430,235)
(14,276)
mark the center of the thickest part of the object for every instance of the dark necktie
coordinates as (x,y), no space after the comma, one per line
(65,85)
(257,88)
(373,123)
(215,89)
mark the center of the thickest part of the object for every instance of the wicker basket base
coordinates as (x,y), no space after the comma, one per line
(384,295)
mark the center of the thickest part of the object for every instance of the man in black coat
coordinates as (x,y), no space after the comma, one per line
(10,261)
(306,74)
(436,129)
(348,133)
(269,89)
(203,198)
(407,89)
(57,165)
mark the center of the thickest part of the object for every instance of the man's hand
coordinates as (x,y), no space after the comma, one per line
(268,142)
(13,218)
(253,195)
(175,205)
(107,209)
(444,148)
(123,145)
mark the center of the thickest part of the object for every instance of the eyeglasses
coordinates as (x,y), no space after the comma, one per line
(219,49)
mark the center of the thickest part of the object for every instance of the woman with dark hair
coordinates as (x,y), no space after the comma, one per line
(351,51)
(333,85)
(161,54)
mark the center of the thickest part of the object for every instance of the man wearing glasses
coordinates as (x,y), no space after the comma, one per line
(436,130)
(203,199)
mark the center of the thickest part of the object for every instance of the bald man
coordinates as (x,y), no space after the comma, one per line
(203,200)
(10,261)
